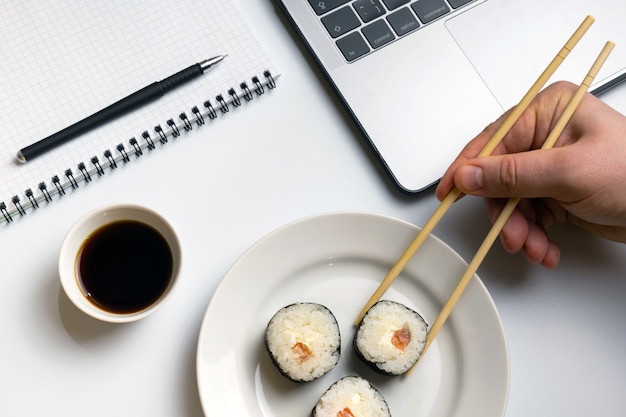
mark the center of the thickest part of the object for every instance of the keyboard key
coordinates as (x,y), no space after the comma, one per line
(379,21)
(325,6)
(458,3)
(353,46)
(378,33)
(403,21)
(394,4)
(341,21)
(368,9)
(429,10)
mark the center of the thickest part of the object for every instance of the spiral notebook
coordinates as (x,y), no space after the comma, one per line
(63,61)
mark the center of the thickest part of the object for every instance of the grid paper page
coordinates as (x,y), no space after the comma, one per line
(63,61)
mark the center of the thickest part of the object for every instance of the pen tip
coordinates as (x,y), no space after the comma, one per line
(20,158)
(205,65)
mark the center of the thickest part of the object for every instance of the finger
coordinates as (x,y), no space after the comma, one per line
(551,212)
(552,257)
(538,173)
(521,235)
(537,245)
(515,230)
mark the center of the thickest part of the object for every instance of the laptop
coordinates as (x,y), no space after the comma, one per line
(421,78)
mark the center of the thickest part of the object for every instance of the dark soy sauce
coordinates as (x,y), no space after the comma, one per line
(124,267)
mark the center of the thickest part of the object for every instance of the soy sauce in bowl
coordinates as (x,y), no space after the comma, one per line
(124,267)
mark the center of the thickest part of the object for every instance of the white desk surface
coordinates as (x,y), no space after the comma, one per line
(296,154)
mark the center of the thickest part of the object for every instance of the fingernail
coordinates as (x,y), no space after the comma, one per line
(471,178)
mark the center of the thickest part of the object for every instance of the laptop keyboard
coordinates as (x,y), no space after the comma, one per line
(360,27)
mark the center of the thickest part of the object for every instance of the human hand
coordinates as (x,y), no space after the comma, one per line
(580,180)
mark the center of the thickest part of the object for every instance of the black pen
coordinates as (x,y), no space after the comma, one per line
(131,102)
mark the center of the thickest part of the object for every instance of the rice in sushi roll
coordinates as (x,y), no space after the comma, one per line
(303,341)
(391,337)
(351,396)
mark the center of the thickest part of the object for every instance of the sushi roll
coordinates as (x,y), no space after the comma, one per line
(391,337)
(351,396)
(303,341)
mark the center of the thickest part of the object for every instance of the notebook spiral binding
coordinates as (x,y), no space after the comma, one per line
(97,167)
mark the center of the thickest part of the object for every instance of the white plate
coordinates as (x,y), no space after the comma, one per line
(338,260)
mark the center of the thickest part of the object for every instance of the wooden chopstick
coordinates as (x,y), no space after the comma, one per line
(512,203)
(487,149)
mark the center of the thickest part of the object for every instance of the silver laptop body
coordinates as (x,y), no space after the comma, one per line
(435,72)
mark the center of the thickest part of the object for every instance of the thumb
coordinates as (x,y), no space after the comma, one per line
(530,174)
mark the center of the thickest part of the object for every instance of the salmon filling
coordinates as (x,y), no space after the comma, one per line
(345,413)
(302,351)
(401,338)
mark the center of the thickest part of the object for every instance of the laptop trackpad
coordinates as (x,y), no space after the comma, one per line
(511,43)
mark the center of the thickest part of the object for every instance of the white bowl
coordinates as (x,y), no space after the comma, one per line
(89,223)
